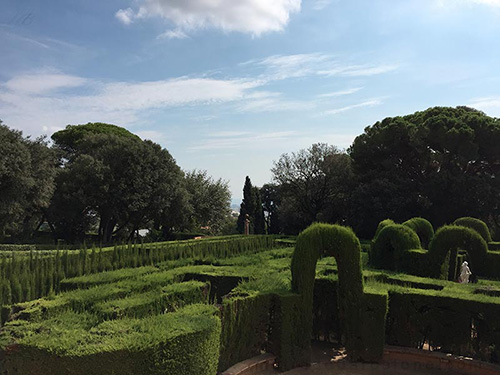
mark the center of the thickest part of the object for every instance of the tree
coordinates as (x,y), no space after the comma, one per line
(440,164)
(209,201)
(270,197)
(118,179)
(27,169)
(314,185)
(251,205)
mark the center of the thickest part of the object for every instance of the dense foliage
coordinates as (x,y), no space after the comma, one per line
(27,169)
(100,178)
(476,224)
(314,185)
(251,209)
(438,164)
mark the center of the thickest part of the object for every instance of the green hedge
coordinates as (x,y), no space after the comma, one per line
(170,298)
(31,275)
(494,246)
(332,240)
(382,225)
(423,228)
(245,325)
(456,325)
(390,246)
(181,343)
(445,245)
(476,224)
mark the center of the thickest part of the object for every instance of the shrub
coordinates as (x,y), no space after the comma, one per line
(391,244)
(476,224)
(446,243)
(332,240)
(183,343)
(245,323)
(382,225)
(423,228)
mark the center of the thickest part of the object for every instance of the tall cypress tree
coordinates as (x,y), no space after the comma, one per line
(247,206)
(258,212)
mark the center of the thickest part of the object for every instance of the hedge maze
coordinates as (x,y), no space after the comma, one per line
(200,307)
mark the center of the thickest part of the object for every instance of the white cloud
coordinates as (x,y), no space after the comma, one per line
(33,101)
(367,103)
(264,101)
(455,3)
(239,140)
(321,4)
(489,105)
(125,16)
(173,34)
(247,16)
(301,65)
(358,70)
(340,93)
(41,83)
(290,66)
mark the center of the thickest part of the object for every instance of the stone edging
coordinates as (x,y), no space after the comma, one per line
(406,357)
(252,366)
(436,360)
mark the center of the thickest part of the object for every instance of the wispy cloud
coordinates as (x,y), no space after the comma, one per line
(489,105)
(264,101)
(454,3)
(280,67)
(367,103)
(173,34)
(321,4)
(239,140)
(340,93)
(247,16)
(125,16)
(43,83)
(358,70)
(34,100)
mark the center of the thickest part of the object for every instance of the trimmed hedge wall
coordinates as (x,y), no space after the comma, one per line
(476,224)
(455,325)
(423,228)
(181,343)
(340,242)
(382,225)
(391,244)
(245,325)
(447,241)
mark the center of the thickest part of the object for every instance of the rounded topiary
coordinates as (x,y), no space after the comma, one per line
(382,225)
(449,239)
(391,243)
(476,224)
(423,228)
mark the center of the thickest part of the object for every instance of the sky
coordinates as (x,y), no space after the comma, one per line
(229,86)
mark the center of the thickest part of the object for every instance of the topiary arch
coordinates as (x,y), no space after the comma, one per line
(450,238)
(476,224)
(423,228)
(363,314)
(390,246)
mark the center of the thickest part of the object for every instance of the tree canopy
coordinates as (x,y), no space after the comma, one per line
(314,184)
(440,164)
(27,169)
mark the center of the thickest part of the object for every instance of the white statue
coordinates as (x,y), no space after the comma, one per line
(464,273)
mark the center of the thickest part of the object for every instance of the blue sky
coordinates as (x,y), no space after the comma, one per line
(228,86)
